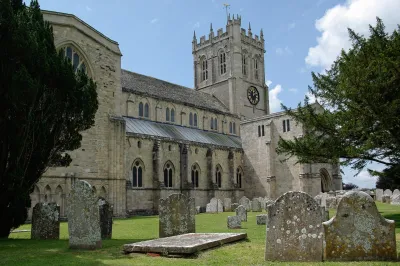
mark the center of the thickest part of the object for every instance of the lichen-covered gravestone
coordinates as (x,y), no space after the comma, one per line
(83,217)
(378,194)
(106,221)
(45,221)
(395,193)
(262,219)
(294,229)
(321,199)
(395,200)
(358,232)
(331,202)
(216,206)
(244,201)
(227,204)
(256,205)
(176,215)
(234,222)
(242,213)
(387,192)
(234,206)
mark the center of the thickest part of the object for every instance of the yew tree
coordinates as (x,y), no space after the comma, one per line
(44,105)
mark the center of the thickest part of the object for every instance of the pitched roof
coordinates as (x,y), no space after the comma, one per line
(141,84)
(135,126)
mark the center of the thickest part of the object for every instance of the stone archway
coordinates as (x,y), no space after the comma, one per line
(326,180)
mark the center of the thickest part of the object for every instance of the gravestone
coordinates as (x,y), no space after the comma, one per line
(358,232)
(268,203)
(234,222)
(197,209)
(256,205)
(294,230)
(331,202)
(387,192)
(244,201)
(395,193)
(262,219)
(216,206)
(45,221)
(234,206)
(325,214)
(83,217)
(106,220)
(378,194)
(208,207)
(321,199)
(395,200)
(227,204)
(242,213)
(386,199)
(176,215)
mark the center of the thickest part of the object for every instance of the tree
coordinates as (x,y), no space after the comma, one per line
(357,119)
(44,105)
(389,178)
(349,186)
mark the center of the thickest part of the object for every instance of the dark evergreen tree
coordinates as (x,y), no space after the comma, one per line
(357,119)
(44,105)
(389,178)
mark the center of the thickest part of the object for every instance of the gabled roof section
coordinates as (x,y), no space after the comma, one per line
(156,88)
(141,127)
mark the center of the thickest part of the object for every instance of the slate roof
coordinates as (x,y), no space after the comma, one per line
(135,126)
(141,84)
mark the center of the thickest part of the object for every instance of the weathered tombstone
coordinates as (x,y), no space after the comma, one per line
(197,209)
(83,217)
(262,219)
(256,205)
(378,194)
(234,222)
(242,213)
(358,232)
(386,199)
(262,201)
(395,200)
(294,230)
(176,215)
(244,201)
(45,221)
(387,192)
(208,207)
(234,206)
(106,221)
(227,204)
(321,199)
(325,214)
(268,203)
(331,202)
(216,206)
(395,193)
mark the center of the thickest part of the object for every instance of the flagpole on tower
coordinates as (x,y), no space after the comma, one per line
(226,9)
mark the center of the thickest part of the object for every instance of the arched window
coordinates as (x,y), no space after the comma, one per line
(172,115)
(195,175)
(239,174)
(146,110)
(77,61)
(255,68)
(212,123)
(234,128)
(137,174)
(167,114)
(218,176)
(168,174)
(195,120)
(141,109)
(222,63)
(244,64)
(191,119)
(230,128)
(215,124)
(204,69)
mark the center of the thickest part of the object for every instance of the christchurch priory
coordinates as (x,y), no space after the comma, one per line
(152,138)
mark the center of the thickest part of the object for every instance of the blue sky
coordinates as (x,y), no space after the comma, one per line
(300,36)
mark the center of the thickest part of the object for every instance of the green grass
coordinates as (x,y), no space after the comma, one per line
(20,250)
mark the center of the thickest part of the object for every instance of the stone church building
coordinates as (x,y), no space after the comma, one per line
(153,138)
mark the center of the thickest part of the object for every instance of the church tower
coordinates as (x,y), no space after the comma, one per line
(230,66)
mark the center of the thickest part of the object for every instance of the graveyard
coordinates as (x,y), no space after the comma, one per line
(21,250)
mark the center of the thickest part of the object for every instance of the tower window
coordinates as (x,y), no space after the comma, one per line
(212,123)
(141,109)
(137,174)
(284,125)
(146,110)
(256,68)
(215,124)
(195,175)
(191,119)
(218,176)
(167,114)
(195,119)
(230,128)
(222,63)
(76,60)
(172,115)
(204,69)
(239,175)
(168,175)
(262,130)
(244,64)
(259,131)
(287,125)
(234,128)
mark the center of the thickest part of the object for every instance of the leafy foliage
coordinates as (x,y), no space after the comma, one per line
(357,117)
(43,107)
(389,178)
(349,186)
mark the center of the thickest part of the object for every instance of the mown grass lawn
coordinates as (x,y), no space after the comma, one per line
(20,250)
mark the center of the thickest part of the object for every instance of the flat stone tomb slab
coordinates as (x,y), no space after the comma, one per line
(184,244)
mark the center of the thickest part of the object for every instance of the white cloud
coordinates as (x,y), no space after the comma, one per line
(196,25)
(274,101)
(283,51)
(295,90)
(154,20)
(311,97)
(354,14)
(88,9)
(269,82)
(363,180)
(291,26)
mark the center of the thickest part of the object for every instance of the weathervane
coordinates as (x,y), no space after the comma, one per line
(226,8)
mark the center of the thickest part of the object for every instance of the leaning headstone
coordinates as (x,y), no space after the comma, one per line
(386,199)
(83,217)
(216,205)
(227,204)
(176,215)
(395,200)
(106,221)
(358,232)
(234,206)
(45,221)
(378,194)
(244,201)
(234,222)
(242,213)
(256,205)
(294,230)
(331,202)
(387,192)
(262,219)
